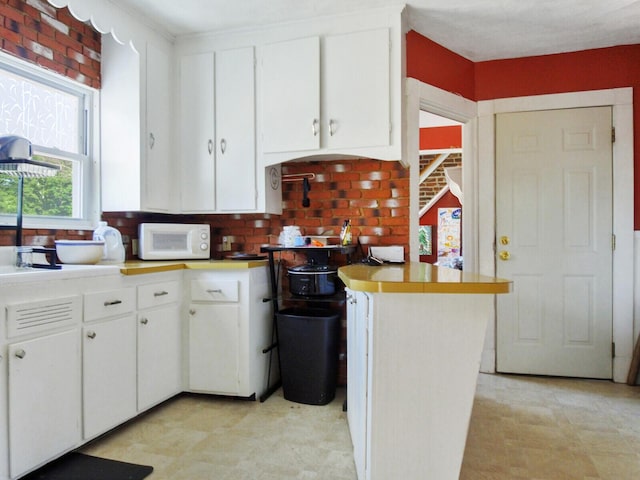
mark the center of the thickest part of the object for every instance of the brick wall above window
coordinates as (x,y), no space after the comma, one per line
(52,38)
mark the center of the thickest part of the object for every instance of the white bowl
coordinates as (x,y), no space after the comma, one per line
(80,252)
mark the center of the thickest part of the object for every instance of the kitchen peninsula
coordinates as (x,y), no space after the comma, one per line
(415,334)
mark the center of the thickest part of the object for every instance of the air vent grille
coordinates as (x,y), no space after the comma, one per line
(33,317)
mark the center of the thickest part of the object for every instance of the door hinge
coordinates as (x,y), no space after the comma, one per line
(613,134)
(613,349)
(613,242)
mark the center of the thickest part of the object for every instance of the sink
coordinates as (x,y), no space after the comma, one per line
(9,273)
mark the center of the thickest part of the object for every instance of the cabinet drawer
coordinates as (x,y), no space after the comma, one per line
(208,290)
(109,303)
(156,294)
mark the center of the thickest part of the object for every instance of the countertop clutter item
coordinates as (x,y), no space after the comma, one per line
(113,248)
(345,233)
(312,280)
(291,236)
(80,252)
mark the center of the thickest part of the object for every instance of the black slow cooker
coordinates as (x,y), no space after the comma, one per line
(312,280)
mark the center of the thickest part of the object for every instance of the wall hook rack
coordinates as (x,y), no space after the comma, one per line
(298,177)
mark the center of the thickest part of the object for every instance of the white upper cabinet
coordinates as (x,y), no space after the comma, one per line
(217,145)
(197,174)
(157,167)
(136,128)
(327,95)
(291,95)
(355,90)
(235,130)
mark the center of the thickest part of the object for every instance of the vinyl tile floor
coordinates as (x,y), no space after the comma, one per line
(521,428)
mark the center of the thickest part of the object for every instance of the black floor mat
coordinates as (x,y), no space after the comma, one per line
(77,466)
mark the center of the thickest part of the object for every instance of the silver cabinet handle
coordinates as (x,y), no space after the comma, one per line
(223,145)
(91,334)
(210,146)
(217,290)
(152,140)
(160,294)
(332,124)
(112,302)
(20,353)
(314,127)
(144,321)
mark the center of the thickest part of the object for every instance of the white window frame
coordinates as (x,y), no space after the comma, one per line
(90,183)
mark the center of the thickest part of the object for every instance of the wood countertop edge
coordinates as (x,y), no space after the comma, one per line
(140,268)
(491,287)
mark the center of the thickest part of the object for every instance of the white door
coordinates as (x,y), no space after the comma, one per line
(214,348)
(356,112)
(291,95)
(554,240)
(235,130)
(197,174)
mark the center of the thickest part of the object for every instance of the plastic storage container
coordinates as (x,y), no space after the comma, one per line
(308,340)
(113,247)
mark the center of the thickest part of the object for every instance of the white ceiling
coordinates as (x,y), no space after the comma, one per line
(476,29)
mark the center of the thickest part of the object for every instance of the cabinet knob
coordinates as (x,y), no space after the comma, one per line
(160,294)
(210,146)
(223,145)
(332,125)
(152,140)
(214,290)
(112,302)
(91,334)
(192,311)
(314,127)
(144,321)
(20,353)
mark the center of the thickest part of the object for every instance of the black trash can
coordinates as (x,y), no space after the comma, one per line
(308,340)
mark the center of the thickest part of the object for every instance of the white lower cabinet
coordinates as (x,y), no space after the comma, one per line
(159,342)
(214,348)
(108,374)
(229,326)
(44,399)
(357,375)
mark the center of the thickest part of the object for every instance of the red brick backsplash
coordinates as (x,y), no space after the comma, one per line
(51,38)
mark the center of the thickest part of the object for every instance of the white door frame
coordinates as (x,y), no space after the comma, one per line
(478,145)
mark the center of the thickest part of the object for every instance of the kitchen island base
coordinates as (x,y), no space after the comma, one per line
(410,405)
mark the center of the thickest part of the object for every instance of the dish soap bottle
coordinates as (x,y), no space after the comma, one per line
(345,233)
(113,247)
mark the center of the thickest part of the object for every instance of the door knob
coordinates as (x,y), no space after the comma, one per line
(504,255)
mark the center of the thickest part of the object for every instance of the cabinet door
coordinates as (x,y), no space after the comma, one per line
(291,95)
(109,374)
(235,130)
(44,399)
(356,95)
(214,348)
(157,172)
(159,339)
(357,374)
(197,175)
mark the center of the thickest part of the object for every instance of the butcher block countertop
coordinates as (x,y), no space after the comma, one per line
(414,277)
(142,267)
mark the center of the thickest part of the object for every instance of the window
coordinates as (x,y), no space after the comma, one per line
(56,115)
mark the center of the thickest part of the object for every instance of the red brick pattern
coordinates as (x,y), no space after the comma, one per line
(51,38)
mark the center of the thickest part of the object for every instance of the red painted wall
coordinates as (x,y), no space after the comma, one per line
(438,66)
(565,72)
(437,138)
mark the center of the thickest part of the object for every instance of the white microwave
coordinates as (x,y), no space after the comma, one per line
(174,241)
